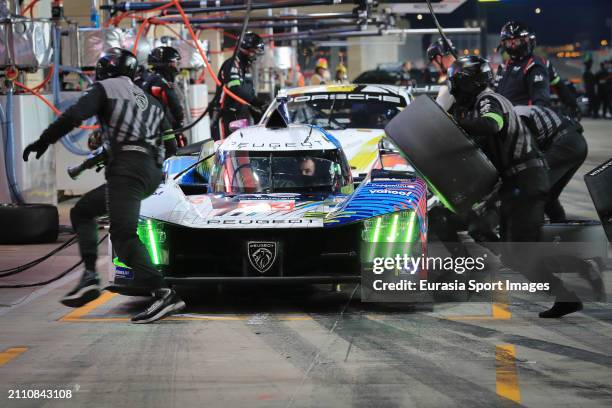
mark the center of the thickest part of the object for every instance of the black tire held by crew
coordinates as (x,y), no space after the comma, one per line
(440,151)
(599,183)
(28,224)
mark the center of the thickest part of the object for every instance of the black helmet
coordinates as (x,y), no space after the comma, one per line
(116,62)
(165,60)
(514,30)
(439,47)
(468,76)
(252,45)
(163,56)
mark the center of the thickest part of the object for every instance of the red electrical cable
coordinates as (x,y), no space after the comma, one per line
(201,77)
(30,7)
(179,8)
(208,67)
(47,79)
(50,105)
(139,34)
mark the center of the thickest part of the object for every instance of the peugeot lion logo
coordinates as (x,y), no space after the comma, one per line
(261,255)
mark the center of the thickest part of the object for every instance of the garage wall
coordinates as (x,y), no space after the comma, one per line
(367,52)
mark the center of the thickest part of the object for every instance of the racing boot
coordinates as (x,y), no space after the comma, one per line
(560,309)
(87,290)
(167,302)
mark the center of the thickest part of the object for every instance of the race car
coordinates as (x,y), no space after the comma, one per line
(355,114)
(280,204)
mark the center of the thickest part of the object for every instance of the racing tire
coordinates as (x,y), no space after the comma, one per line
(453,166)
(579,231)
(28,224)
(599,183)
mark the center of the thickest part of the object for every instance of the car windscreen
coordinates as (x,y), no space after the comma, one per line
(333,111)
(239,172)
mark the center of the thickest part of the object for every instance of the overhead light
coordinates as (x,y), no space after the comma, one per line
(419,16)
(538,10)
(604,43)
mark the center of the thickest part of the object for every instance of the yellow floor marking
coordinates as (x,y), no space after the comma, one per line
(294,318)
(506,374)
(85,310)
(500,310)
(11,353)
(501,307)
(181,318)
(80,315)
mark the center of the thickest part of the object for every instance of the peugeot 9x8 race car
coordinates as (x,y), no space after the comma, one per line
(270,203)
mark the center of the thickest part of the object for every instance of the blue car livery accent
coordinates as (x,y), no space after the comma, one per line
(378,198)
(177,164)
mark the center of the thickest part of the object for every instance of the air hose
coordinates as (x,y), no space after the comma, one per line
(17,269)
(46,282)
(9,154)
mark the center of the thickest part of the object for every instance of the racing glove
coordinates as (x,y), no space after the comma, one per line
(40,147)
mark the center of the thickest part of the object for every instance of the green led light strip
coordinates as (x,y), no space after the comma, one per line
(392,235)
(411,222)
(377,229)
(153,243)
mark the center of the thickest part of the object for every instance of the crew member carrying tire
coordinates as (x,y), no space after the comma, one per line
(131,123)
(233,75)
(159,82)
(445,224)
(491,121)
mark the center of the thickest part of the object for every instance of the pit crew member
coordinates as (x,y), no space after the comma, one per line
(439,53)
(131,122)
(524,78)
(159,82)
(491,121)
(564,148)
(232,75)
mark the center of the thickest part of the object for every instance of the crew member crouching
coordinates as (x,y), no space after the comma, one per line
(564,148)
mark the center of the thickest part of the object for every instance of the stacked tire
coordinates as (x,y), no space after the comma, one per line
(28,224)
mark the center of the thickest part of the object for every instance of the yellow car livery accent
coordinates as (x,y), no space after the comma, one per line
(340,88)
(366,155)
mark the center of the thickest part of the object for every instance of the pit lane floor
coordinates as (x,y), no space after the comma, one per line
(302,347)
